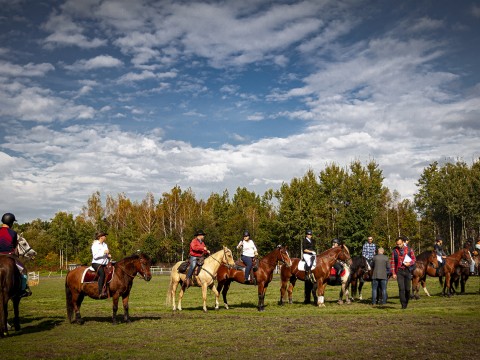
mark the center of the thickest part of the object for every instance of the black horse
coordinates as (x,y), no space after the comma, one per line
(359,273)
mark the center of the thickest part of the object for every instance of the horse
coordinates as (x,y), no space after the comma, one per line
(359,273)
(11,284)
(462,257)
(426,264)
(321,272)
(344,280)
(205,278)
(121,283)
(263,276)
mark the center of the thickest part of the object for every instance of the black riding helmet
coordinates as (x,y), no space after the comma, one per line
(336,241)
(246,233)
(8,219)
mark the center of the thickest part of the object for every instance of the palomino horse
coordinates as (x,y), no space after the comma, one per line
(11,284)
(125,271)
(321,272)
(451,263)
(263,275)
(426,264)
(205,278)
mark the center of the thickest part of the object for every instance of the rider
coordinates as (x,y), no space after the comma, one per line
(309,255)
(441,255)
(368,251)
(249,251)
(197,250)
(101,257)
(338,266)
(8,246)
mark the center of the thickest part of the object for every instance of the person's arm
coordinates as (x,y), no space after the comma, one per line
(240,244)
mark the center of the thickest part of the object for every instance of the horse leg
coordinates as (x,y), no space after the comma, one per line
(261,297)
(321,294)
(423,282)
(226,287)
(115,308)
(76,301)
(360,286)
(353,286)
(180,296)
(283,289)
(217,295)
(126,315)
(16,313)
(204,297)
(293,280)
(415,288)
(3,313)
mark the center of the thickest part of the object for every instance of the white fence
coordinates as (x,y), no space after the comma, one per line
(33,278)
(157,270)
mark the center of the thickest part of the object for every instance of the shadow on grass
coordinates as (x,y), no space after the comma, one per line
(44,324)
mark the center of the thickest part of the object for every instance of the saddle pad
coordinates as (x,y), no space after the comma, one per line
(88,275)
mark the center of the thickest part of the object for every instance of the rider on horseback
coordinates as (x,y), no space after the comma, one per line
(249,252)
(197,250)
(8,246)
(101,257)
(309,255)
(441,255)
(368,251)
(337,266)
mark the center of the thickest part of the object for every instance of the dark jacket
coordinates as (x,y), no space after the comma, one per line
(381,266)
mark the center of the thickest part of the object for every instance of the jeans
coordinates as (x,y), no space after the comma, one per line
(193,263)
(382,284)
(249,262)
(404,286)
(472,267)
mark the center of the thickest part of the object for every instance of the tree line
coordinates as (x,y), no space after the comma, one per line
(349,203)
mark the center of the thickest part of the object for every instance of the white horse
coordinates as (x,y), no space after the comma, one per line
(24,249)
(205,278)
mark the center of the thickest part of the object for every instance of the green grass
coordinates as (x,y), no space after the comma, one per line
(430,328)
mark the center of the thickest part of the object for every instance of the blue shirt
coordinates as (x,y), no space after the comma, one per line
(369,250)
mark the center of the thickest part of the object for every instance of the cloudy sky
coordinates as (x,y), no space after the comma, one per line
(138,96)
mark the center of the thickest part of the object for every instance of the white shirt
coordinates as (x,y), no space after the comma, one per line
(98,252)
(249,249)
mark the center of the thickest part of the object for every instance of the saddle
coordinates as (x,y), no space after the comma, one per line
(240,265)
(90,275)
(183,268)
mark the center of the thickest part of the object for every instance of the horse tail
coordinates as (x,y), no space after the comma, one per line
(69,298)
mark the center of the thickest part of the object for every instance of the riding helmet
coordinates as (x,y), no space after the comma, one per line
(199,232)
(308,232)
(8,219)
(336,241)
(246,233)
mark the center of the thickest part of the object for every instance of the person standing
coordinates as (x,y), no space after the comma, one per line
(441,255)
(402,258)
(249,251)
(197,250)
(381,268)
(368,251)
(100,258)
(8,246)
(309,255)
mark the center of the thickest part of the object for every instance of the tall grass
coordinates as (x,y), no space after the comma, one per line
(429,328)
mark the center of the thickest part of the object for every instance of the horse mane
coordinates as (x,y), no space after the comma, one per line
(134,256)
(424,255)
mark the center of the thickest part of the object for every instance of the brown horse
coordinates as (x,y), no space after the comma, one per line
(263,276)
(325,261)
(125,271)
(11,284)
(462,257)
(426,264)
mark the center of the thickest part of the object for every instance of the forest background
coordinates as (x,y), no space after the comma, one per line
(349,203)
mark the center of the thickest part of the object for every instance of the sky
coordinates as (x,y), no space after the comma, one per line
(121,96)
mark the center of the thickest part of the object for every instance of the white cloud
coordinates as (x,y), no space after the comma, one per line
(101,61)
(27,70)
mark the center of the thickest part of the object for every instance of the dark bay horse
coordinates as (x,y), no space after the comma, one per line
(125,271)
(263,276)
(359,273)
(11,284)
(325,261)
(426,264)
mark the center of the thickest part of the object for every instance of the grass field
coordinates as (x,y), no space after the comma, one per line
(431,328)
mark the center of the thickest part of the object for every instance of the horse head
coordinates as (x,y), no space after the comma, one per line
(142,265)
(467,258)
(283,256)
(228,257)
(433,259)
(344,255)
(24,249)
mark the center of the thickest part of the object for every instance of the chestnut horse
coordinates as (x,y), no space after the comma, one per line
(205,279)
(426,264)
(263,276)
(462,257)
(125,271)
(11,284)
(325,261)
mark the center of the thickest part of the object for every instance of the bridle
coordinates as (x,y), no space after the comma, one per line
(142,271)
(25,250)
(225,258)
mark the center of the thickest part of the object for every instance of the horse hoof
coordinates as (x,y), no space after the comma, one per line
(340,302)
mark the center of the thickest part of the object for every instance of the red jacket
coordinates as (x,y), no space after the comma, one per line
(8,240)
(197,247)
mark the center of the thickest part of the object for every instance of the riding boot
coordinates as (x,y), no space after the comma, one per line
(25,288)
(186,284)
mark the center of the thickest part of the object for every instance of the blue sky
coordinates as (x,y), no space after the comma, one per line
(138,96)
